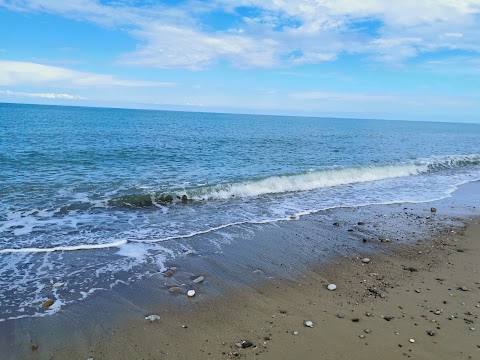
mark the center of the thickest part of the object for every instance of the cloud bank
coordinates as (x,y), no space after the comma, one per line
(276,33)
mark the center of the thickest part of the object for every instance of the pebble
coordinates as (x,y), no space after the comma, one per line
(340,315)
(152,318)
(388,318)
(433,210)
(437,312)
(48,303)
(168,273)
(412,340)
(246,344)
(331,286)
(190,293)
(355,320)
(308,323)
(367,331)
(431,332)
(295,332)
(365,260)
(472,328)
(198,279)
(34,347)
(362,336)
(464,288)
(90,358)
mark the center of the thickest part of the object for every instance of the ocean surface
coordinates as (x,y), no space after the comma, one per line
(88,194)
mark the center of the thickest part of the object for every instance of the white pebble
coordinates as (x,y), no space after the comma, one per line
(365,260)
(331,286)
(191,293)
(308,323)
(412,340)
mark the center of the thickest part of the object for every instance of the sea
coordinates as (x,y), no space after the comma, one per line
(89,195)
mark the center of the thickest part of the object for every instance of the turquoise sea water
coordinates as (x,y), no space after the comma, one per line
(99,181)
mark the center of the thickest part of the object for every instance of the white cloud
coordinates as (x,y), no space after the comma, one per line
(332,96)
(280,32)
(14,73)
(41,95)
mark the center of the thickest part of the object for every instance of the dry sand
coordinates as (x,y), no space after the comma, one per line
(409,284)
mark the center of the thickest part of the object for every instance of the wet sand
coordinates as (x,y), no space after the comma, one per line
(411,286)
(408,285)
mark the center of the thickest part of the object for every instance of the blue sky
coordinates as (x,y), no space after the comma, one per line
(410,59)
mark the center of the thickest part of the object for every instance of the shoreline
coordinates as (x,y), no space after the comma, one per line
(269,292)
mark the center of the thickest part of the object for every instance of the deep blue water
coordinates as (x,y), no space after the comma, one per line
(80,178)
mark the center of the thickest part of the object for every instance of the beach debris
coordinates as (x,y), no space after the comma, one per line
(57,284)
(433,210)
(48,303)
(191,293)
(368,314)
(152,318)
(388,318)
(410,268)
(385,240)
(340,315)
(34,347)
(360,223)
(412,340)
(355,319)
(308,323)
(464,288)
(431,332)
(198,279)
(295,332)
(438,311)
(293,217)
(336,224)
(362,336)
(472,328)
(367,331)
(366,260)
(331,287)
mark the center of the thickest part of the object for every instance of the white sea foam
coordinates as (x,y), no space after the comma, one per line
(64,248)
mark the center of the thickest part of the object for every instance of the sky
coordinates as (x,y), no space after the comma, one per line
(408,59)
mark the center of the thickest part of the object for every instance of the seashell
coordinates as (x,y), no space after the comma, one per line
(331,286)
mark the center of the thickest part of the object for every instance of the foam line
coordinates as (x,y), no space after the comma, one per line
(64,248)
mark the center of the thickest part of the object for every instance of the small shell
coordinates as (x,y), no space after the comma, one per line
(412,340)
(331,286)
(191,293)
(308,323)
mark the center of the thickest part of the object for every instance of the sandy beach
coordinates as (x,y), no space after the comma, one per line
(417,296)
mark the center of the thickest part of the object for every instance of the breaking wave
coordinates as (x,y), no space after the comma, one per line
(299,182)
